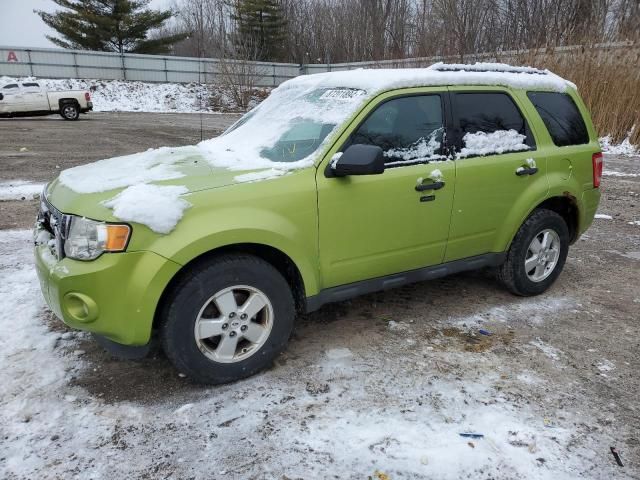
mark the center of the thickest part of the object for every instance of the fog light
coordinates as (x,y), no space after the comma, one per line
(80,307)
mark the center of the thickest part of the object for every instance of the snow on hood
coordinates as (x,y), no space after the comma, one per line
(158,207)
(119,172)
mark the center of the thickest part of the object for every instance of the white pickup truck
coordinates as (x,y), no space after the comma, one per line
(26,99)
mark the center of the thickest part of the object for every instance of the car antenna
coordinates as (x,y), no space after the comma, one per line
(200,68)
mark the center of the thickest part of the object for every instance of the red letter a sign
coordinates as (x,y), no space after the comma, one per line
(12,57)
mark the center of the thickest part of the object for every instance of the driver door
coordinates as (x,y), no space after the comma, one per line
(376,225)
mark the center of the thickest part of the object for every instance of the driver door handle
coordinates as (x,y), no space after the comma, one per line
(429,186)
(526,171)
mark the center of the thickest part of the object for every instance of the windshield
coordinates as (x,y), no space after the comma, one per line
(288,128)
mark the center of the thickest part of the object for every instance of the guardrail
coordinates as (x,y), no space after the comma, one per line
(58,63)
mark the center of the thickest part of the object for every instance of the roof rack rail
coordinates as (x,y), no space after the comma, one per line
(486,67)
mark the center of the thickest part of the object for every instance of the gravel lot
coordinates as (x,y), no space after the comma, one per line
(381,385)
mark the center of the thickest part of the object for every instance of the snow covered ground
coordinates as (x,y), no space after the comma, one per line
(381,386)
(392,402)
(19,190)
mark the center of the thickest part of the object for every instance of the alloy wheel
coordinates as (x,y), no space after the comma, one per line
(233,324)
(542,255)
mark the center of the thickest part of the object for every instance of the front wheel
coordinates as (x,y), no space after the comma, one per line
(228,319)
(537,254)
(69,111)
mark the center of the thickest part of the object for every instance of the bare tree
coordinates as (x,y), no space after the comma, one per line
(331,31)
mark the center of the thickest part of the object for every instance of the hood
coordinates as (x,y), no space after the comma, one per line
(85,189)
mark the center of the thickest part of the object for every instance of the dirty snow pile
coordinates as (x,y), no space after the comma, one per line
(624,148)
(19,190)
(334,407)
(134,96)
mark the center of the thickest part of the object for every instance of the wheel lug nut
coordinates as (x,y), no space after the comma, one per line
(232,333)
(225,326)
(243,328)
(243,316)
(232,314)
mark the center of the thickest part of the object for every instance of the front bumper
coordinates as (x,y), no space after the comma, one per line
(115,295)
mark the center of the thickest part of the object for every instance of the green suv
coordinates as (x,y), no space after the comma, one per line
(337,185)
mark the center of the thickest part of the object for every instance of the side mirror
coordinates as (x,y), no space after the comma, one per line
(358,160)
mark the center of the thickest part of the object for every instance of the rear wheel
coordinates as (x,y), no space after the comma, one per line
(70,111)
(228,319)
(537,254)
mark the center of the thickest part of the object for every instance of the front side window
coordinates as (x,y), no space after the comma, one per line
(561,117)
(10,86)
(490,123)
(408,129)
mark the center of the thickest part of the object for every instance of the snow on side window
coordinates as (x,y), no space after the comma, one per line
(423,150)
(500,141)
(408,129)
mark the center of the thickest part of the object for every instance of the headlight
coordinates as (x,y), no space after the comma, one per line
(87,239)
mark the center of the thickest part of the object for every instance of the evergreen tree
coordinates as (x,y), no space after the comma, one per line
(109,26)
(261,28)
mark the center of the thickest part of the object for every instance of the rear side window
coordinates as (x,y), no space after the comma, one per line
(490,123)
(35,85)
(408,129)
(561,117)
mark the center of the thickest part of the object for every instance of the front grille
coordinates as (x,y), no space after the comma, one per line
(56,223)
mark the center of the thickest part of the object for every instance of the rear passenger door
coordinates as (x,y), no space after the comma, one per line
(499,172)
(35,100)
(570,146)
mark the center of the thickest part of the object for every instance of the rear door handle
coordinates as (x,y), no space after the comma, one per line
(429,186)
(526,171)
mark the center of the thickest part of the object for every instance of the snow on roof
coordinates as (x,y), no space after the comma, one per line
(439,74)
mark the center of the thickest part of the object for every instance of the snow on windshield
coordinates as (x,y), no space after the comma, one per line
(286,130)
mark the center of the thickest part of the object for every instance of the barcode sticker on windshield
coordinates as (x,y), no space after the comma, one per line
(341,94)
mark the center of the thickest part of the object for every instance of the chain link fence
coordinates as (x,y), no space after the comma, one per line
(82,64)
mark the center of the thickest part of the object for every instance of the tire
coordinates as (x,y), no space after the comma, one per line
(543,268)
(70,111)
(196,307)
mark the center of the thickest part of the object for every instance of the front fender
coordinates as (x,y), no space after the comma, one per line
(281,214)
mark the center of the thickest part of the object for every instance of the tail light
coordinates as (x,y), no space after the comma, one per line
(87,96)
(597,162)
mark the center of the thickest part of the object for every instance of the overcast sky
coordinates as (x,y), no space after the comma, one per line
(20,27)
